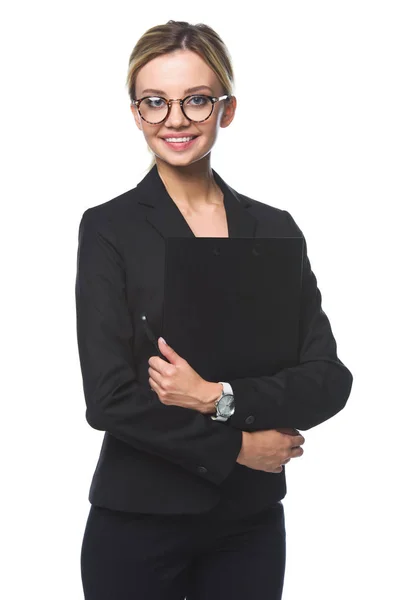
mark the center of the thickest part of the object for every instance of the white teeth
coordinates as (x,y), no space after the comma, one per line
(182,139)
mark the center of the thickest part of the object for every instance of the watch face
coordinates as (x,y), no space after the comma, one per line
(226,405)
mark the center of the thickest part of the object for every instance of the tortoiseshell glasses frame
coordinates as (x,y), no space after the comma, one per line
(181,101)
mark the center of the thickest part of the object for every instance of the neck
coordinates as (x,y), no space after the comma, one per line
(191,186)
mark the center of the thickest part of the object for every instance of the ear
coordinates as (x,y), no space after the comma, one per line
(136,115)
(229,111)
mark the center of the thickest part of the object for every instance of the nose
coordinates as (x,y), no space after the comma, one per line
(176,116)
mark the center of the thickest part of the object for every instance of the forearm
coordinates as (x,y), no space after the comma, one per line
(304,395)
(116,401)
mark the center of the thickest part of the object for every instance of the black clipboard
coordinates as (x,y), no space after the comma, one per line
(232,305)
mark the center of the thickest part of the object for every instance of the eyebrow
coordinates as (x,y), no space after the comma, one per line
(188,91)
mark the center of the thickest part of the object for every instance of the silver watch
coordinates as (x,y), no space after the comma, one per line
(225,404)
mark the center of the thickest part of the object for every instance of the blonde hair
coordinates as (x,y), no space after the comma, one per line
(175,35)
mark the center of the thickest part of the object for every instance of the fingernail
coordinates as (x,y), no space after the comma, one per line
(164,342)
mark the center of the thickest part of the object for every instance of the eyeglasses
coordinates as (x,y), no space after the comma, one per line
(154,109)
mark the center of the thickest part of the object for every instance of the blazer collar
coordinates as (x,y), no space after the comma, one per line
(163,214)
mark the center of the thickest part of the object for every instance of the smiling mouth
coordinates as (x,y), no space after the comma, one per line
(180,140)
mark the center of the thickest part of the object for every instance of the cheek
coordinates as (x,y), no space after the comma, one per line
(210,134)
(150,132)
(207,132)
(211,126)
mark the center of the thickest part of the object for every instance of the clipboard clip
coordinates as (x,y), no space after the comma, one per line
(149,332)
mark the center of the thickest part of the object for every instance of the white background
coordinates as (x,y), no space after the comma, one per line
(326,75)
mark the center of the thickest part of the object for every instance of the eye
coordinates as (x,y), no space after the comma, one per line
(154,102)
(197,100)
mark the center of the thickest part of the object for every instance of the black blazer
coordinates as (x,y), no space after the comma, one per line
(168,459)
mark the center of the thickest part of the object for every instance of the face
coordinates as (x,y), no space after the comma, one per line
(173,74)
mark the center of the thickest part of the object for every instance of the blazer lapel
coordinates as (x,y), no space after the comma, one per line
(163,214)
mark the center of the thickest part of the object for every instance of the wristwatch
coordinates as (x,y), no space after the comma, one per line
(225,404)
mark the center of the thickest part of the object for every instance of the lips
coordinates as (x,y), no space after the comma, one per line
(180,146)
(179,136)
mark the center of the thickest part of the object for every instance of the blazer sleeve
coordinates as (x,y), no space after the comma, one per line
(307,394)
(116,401)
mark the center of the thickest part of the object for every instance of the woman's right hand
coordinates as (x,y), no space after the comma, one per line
(269,449)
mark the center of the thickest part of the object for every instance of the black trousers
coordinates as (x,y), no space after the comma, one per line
(133,556)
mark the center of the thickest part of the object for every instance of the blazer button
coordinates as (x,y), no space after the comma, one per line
(250,420)
(202,469)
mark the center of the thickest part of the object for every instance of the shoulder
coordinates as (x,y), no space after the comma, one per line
(114,211)
(279,217)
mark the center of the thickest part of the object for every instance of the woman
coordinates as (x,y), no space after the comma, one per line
(186,495)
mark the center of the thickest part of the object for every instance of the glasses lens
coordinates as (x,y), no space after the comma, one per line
(153,109)
(197,108)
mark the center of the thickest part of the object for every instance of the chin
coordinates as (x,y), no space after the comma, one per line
(177,160)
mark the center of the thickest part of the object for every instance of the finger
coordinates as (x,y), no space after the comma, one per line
(155,387)
(297,452)
(288,430)
(298,440)
(158,363)
(173,356)
(155,375)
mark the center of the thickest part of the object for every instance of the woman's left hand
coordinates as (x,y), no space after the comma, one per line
(178,384)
